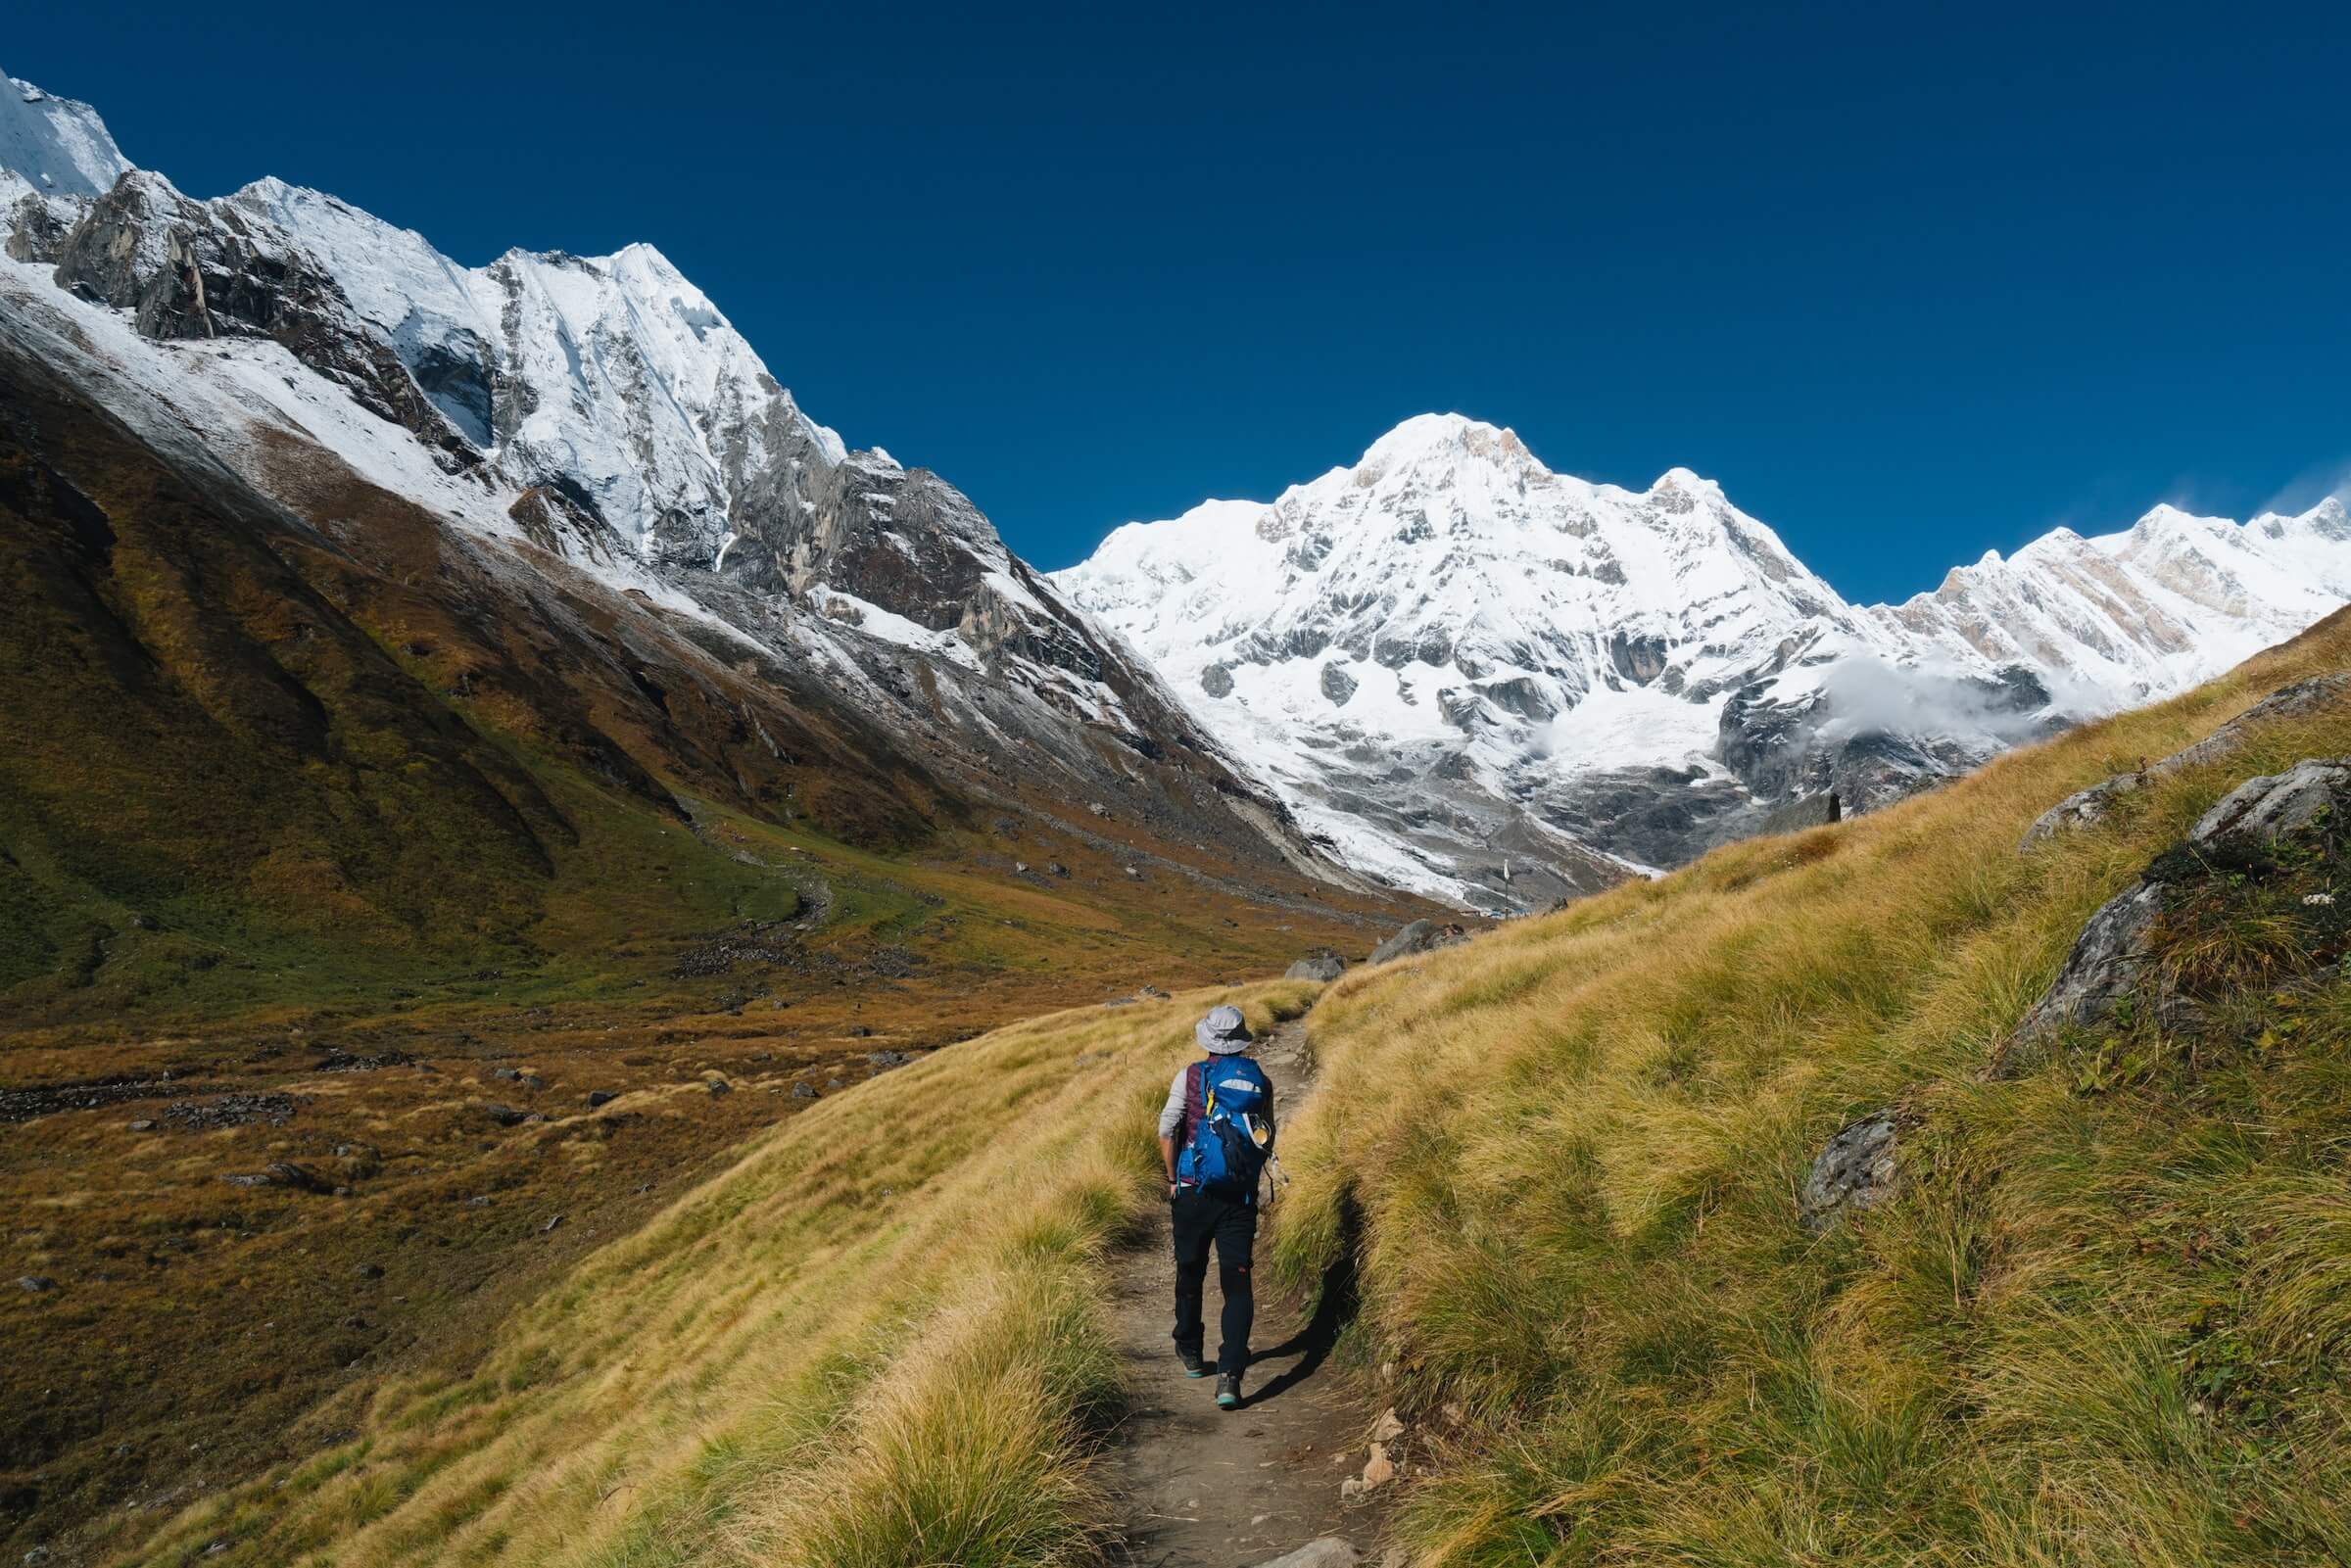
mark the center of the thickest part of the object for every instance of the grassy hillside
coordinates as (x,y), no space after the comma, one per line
(2106,1321)
(2100,1324)
(877,1338)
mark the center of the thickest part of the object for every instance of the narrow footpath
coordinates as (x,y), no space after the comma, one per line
(1203,1488)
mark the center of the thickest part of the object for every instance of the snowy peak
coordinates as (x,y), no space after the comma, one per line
(1442,441)
(1487,680)
(55,145)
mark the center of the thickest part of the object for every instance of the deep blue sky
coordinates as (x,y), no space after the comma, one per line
(1911,281)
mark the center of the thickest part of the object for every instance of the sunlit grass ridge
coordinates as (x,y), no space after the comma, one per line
(879,1338)
(2091,1330)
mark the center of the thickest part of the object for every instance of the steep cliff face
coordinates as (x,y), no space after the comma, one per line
(1495,682)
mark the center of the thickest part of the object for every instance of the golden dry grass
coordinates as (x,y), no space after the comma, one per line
(879,1338)
(2100,1325)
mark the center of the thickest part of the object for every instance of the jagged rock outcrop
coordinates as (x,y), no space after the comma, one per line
(2088,807)
(2111,962)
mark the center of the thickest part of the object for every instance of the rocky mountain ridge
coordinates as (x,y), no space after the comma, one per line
(594,428)
(1496,684)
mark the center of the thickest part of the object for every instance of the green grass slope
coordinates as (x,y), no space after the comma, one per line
(877,1338)
(2106,1321)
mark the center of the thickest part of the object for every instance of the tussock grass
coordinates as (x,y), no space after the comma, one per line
(879,1338)
(2103,1324)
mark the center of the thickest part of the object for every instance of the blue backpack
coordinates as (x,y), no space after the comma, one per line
(1229,1141)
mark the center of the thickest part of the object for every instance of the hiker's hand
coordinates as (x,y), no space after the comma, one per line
(1174,1188)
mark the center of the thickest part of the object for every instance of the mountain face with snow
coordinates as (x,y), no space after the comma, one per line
(609,462)
(1496,684)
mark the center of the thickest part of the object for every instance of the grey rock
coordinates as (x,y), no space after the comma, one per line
(1806,811)
(803,1091)
(553,1221)
(2088,807)
(600,1097)
(2105,965)
(2269,808)
(1338,685)
(719,1087)
(37,1283)
(1319,964)
(1856,1169)
(2083,808)
(1216,681)
(505,1116)
(1324,1551)
(142,1126)
(1421,936)
(886,1060)
(2109,959)
(370,1271)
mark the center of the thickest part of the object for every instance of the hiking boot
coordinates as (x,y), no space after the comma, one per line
(1228,1392)
(1194,1366)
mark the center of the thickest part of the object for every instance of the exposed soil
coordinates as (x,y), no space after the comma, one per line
(1203,1488)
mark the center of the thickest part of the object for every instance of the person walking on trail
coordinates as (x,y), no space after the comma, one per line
(1216,1133)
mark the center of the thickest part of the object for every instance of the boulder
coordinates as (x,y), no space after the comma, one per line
(2104,967)
(1319,964)
(1855,1169)
(600,1097)
(2269,808)
(505,1116)
(883,1060)
(1421,936)
(37,1283)
(2088,807)
(2109,960)
(803,1091)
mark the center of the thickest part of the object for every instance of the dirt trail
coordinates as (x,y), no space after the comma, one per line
(1203,1488)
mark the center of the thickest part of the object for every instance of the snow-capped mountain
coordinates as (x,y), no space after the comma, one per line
(596,423)
(55,145)
(1493,683)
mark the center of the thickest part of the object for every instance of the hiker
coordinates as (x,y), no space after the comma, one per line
(1215,1135)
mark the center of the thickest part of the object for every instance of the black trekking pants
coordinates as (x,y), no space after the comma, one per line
(1231,1226)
